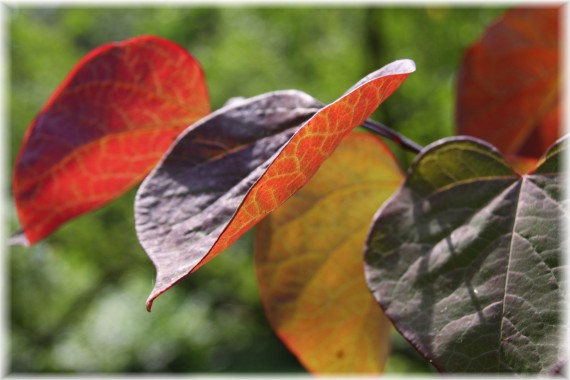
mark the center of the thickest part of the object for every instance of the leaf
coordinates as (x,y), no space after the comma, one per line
(308,257)
(508,90)
(465,259)
(521,164)
(104,129)
(199,201)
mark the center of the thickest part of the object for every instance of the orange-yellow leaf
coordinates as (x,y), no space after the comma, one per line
(308,257)
(520,164)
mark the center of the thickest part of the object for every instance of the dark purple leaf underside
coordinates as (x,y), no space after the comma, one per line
(233,168)
(186,202)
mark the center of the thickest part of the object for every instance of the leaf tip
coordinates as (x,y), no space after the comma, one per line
(19,238)
(149,302)
(407,65)
(399,67)
(157,290)
(153,295)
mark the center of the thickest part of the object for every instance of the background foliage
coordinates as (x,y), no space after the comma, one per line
(77,299)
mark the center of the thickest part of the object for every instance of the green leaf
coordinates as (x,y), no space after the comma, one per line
(465,259)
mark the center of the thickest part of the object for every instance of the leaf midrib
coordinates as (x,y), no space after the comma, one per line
(510,254)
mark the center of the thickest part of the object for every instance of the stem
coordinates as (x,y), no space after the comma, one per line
(383,130)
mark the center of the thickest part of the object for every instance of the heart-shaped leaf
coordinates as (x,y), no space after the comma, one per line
(509,84)
(466,259)
(104,129)
(308,257)
(217,185)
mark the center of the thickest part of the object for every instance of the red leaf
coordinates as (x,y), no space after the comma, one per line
(201,200)
(104,129)
(509,85)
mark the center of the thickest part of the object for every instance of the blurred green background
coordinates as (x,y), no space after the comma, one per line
(77,300)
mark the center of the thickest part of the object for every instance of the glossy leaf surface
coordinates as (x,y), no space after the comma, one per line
(308,258)
(186,214)
(466,259)
(104,129)
(509,83)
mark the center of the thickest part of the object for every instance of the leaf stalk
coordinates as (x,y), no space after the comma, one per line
(388,133)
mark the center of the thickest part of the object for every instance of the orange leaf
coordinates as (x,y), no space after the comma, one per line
(309,265)
(104,129)
(520,164)
(185,220)
(509,84)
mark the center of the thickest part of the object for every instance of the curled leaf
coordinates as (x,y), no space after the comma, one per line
(187,212)
(104,129)
(308,258)
(466,259)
